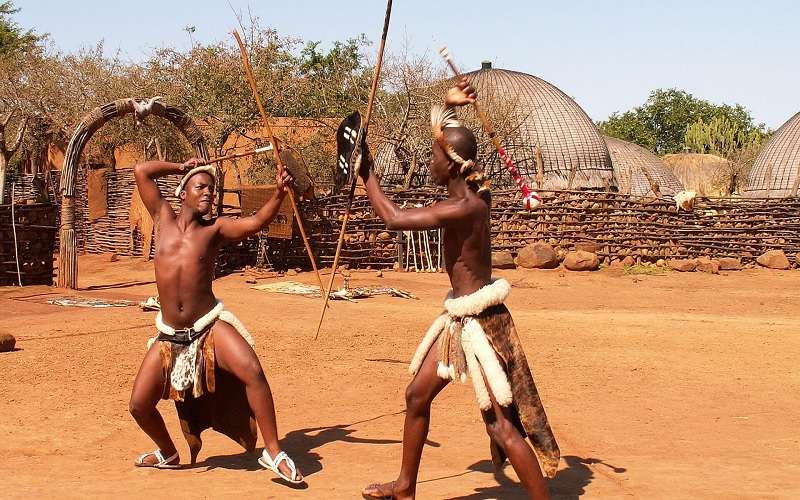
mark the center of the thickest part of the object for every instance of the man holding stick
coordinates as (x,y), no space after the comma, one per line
(475,336)
(196,334)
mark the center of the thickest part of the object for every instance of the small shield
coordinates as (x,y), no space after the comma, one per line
(346,136)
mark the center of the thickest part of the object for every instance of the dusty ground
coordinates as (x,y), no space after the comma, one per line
(675,386)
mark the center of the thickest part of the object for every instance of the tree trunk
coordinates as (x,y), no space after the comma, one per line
(3,173)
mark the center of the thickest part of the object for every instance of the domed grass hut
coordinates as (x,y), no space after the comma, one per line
(704,174)
(639,172)
(529,115)
(776,171)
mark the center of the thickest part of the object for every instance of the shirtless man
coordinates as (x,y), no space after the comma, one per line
(504,386)
(186,252)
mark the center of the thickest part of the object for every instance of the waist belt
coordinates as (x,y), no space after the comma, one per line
(184,336)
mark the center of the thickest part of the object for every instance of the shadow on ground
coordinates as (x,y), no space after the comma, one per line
(569,484)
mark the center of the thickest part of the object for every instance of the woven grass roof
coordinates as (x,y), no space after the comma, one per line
(776,171)
(702,173)
(639,172)
(574,154)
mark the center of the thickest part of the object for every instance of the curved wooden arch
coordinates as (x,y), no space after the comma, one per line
(91,123)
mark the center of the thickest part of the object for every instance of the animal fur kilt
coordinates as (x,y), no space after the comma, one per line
(476,337)
(205,396)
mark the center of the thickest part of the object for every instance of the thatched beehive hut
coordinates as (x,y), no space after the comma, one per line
(639,172)
(529,113)
(776,171)
(704,174)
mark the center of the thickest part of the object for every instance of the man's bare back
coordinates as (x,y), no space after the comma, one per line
(467,247)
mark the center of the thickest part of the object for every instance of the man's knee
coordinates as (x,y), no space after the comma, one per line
(417,400)
(501,431)
(139,409)
(252,371)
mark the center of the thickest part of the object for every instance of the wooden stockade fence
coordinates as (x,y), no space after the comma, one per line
(35,226)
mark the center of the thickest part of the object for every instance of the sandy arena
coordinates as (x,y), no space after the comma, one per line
(672,386)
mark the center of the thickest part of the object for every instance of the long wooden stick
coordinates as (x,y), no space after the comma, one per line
(248,69)
(234,156)
(357,156)
(14,229)
(531,199)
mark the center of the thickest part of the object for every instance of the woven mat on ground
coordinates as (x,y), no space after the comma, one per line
(361,292)
(90,302)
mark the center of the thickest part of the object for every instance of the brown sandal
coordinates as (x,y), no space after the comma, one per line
(381,491)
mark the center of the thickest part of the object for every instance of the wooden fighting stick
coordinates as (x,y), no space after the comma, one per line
(355,161)
(530,198)
(278,161)
(234,156)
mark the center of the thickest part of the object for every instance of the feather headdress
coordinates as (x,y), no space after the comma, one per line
(444,117)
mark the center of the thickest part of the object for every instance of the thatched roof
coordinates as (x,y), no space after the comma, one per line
(776,171)
(702,173)
(574,155)
(639,172)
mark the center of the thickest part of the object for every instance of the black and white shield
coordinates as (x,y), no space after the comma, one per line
(346,136)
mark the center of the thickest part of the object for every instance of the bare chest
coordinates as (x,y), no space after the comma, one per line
(176,249)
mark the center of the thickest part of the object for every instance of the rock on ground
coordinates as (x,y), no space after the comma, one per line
(581,261)
(707,265)
(730,264)
(503,260)
(774,259)
(537,256)
(7,342)
(682,265)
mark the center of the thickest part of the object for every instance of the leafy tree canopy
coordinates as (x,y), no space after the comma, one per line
(662,122)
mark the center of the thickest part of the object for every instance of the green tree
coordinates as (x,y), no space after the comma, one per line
(661,123)
(12,38)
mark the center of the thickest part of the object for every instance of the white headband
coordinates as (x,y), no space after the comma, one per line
(209,169)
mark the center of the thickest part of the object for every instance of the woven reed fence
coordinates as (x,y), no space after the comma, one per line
(112,233)
(36,227)
(619,225)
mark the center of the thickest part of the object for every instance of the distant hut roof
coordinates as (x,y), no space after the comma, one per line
(776,171)
(573,152)
(637,170)
(702,173)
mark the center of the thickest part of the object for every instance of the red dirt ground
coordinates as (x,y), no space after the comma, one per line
(673,386)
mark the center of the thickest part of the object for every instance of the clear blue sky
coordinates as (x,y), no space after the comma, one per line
(608,55)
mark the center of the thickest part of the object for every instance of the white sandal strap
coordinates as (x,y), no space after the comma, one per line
(275,463)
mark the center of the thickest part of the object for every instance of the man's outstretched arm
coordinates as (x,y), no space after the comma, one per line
(239,229)
(438,215)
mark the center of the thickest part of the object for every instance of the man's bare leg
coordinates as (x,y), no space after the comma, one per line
(235,356)
(419,396)
(147,390)
(499,425)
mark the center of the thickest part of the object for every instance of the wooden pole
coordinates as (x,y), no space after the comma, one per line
(14,230)
(530,198)
(235,156)
(357,157)
(278,161)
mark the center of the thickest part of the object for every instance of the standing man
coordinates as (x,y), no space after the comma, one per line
(197,335)
(475,336)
